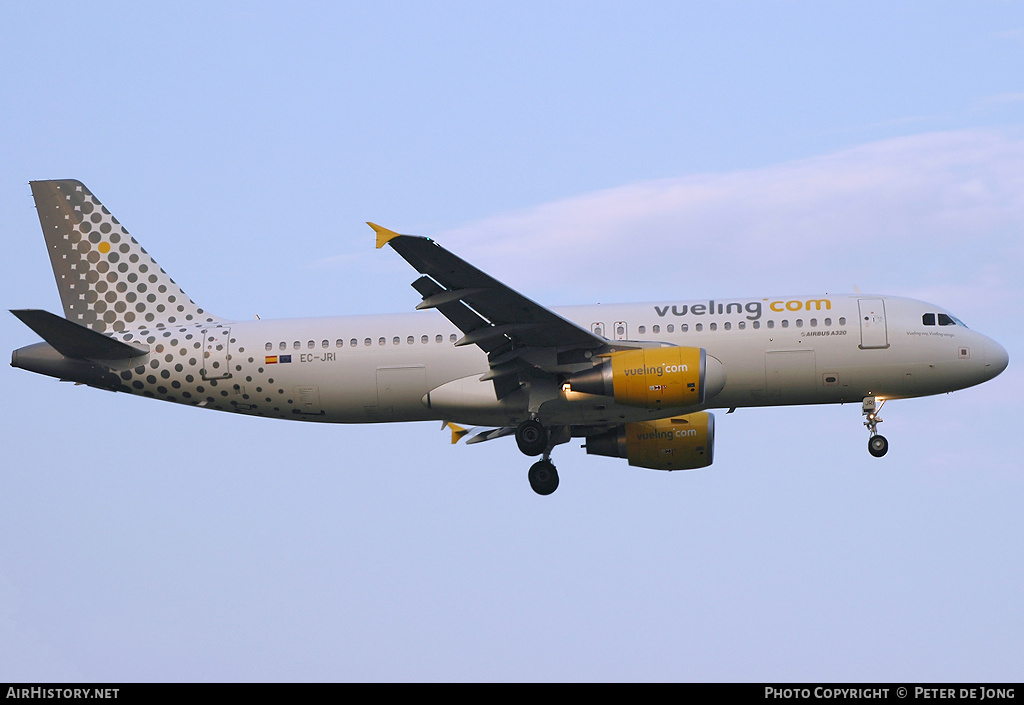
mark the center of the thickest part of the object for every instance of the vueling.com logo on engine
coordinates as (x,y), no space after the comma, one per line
(660,370)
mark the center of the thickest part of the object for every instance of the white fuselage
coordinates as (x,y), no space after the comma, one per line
(380,368)
(633,379)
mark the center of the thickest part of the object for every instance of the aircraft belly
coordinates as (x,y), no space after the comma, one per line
(591,410)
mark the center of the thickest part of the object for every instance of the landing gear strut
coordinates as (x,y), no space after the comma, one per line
(877,445)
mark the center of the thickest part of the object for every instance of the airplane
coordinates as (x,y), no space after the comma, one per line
(634,381)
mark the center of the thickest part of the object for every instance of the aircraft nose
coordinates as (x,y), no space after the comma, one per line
(996,358)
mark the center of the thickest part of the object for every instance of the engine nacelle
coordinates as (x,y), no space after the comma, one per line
(680,443)
(654,378)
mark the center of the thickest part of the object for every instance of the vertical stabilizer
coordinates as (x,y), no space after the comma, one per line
(107,281)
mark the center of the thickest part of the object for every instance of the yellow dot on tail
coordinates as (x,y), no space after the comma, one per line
(104,247)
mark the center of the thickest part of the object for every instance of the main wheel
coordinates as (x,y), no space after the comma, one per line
(532,437)
(878,446)
(543,477)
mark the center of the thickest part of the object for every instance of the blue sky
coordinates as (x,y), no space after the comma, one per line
(579,152)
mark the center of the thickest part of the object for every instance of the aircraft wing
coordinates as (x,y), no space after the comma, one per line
(516,333)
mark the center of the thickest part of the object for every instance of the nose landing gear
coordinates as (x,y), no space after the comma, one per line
(877,445)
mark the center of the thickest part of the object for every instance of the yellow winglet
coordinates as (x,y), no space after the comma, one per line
(384,236)
(457,431)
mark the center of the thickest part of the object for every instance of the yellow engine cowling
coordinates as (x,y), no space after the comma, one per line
(654,378)
(680,443)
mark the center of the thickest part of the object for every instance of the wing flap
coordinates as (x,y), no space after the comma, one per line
(491,434)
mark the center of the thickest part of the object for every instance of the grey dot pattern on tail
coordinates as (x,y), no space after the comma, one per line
(108,282)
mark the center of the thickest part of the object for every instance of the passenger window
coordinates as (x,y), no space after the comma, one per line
(655,329)
(842,321)
(354,342)
(728,326)
(699,327)
(683,327)
(297,345)
(396,340)
(325,344)
(799,323)
(311,344)
(270,346)
(785,323)
(771,324)
(741,325)
(339,343)
(713,326)
(928,319)
(756,324)
(367,342)
(381,340)
(642,329)
(410,340)
(424,340)
(828,322)
(438,338)
(452,338)
(283,345)
(671,328)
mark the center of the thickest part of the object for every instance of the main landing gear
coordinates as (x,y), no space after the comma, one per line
(877,445)
(543,477)
(534,439)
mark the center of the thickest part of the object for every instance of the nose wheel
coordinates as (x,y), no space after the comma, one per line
(877,445)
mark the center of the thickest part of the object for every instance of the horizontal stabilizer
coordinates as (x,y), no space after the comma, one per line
(73,340)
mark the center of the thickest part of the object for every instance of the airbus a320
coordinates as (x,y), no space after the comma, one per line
(634,381)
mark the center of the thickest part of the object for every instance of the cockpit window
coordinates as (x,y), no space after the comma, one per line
(941,319)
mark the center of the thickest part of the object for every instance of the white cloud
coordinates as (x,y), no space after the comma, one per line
(1016,34)
(906,213)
